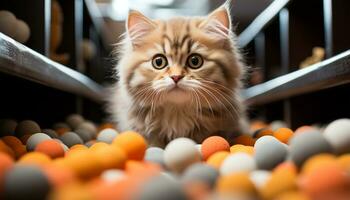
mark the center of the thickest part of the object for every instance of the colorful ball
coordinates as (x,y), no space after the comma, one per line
(269,152)
(337,134)
(35,139)
(283,134)
(217,158)
(27,127)
(52,148)
(132,143)
(181,153)
(238,162)
(212,145)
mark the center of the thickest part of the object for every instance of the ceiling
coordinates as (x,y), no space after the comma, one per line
(116,11)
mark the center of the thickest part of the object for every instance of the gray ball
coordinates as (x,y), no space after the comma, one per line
(337,134)
(70,139)
(304,145)
(35,139)
(60,125)
(89,127)
(74,120)
(26,182)
(269,152)
(27,127)
(107,135)
(83,134)
(200,172)
(50,133)
(7,127)
(156,155)
(160,188)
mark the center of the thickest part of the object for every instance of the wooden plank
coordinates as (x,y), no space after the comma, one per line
(261,22)
(328,73)
(21,61)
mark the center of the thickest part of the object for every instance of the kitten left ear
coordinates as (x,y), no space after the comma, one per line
(137,26)
(218,22)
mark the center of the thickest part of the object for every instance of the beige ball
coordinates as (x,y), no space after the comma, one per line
(7,21)
(22,33)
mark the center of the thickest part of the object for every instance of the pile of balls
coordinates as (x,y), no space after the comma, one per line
(79,160)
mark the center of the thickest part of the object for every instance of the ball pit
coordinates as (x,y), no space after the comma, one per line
(80,160)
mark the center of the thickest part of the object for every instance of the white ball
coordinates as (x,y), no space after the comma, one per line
(274,125)
(337,134)
(181,153)
(22,33)
(107,135)
(35,139)
(7,23)
(260,177)
(237,162)
(112,175)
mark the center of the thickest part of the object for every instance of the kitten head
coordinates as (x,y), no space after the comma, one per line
(184,60)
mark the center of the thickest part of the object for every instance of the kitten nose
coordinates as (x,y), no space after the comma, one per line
(176,78)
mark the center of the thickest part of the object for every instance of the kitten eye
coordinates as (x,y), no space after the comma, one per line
(159,61)
(195,61)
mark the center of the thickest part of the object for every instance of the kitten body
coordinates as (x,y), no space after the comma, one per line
(179,78)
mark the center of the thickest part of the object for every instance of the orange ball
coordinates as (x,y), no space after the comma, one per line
(36,158)
(105,126)
(59,176)
(281,181)
(283,134)
(51,148)
(212,145)
(11,141)
(241,148)
(19,150)
(98,145)
(6,163)
(6,149)
(62,130)
(83,163)
(111,157)
(236,182)
(328,179)
(293,195)
(217,158)
(78,147)
(344,162)
(317,161)
(132,143)
(263,132)
(245,140)
(303,129)
(257,124)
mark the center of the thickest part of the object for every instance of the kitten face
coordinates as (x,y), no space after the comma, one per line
(181,61)
(179,78)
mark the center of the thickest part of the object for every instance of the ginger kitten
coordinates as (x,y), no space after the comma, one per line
(179,78)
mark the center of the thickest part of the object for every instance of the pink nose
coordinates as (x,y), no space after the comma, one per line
(176,78)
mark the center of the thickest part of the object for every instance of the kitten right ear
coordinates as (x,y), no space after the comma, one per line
(137,26)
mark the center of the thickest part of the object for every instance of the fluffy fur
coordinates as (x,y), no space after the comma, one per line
(204,102)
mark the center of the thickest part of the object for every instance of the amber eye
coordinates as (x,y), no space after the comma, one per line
(159,61)
(195,61)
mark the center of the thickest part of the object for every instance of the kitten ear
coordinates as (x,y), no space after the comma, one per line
(218,22)
(137,26)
